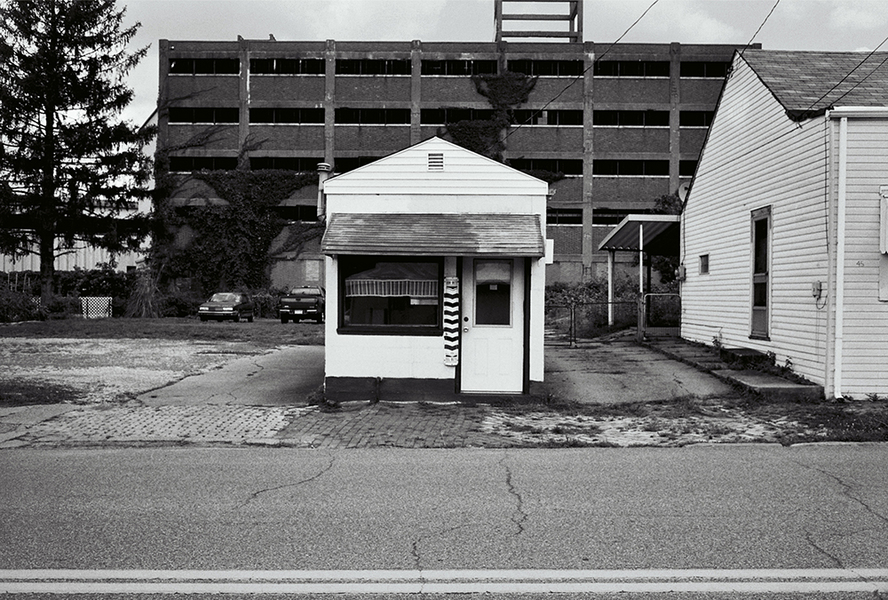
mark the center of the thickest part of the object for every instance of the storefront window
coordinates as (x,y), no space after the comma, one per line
(386,294)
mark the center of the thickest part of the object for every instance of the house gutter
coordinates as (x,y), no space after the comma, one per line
(841,202)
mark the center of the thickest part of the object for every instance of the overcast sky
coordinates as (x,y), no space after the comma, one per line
(846,25)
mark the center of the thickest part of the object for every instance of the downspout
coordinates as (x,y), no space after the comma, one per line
(840,256)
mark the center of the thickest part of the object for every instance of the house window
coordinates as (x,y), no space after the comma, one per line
(704,264)
(390,295)
(493,292)
(761,292)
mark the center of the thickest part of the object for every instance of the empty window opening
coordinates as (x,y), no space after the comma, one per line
(287,115)
(630,118)
(565,166)
(350,163)
(547,117)
(564,216)
(287,66)
(687,168)
(444,116)
(372,66)
(204,66)
(458,67)
(185,114)
(547,68)
(187,164)
(631,68)
(630,168)
(285,163)
(695,118)
(704,69)
(372,116)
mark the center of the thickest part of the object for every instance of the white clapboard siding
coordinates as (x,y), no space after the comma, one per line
(757,157)
(408,173)
(83,258)
(865,362)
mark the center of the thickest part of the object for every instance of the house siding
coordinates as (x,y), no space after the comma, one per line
(740,172)
(864,363)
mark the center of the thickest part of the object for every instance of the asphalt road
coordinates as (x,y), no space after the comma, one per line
(706,507)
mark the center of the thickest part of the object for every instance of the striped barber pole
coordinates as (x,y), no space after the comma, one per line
(451,321)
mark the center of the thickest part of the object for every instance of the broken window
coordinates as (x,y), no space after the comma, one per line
(287,66)
(458,67)
(564,216)
(204,66)
(372,66)
(548,117)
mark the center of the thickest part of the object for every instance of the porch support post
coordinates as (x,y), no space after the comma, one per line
(610,286)
(641,260)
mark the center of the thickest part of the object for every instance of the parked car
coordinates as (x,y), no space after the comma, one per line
(227,305)
(303,303)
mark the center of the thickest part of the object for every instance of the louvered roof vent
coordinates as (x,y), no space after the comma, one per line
(436,161)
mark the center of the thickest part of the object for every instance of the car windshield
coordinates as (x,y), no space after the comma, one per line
(304,292)
(224,298)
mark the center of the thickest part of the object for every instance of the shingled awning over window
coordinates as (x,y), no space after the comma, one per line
(411,234)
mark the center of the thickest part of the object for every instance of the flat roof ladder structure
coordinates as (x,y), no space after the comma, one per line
(542,20)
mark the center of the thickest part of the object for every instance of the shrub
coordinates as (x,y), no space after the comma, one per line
(17,306)
(180,304)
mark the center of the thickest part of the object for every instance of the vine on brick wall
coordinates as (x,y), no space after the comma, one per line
(505,92)
(229,246)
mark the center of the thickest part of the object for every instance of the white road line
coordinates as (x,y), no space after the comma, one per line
(104,581)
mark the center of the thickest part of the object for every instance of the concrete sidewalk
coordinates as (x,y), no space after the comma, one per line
(271,400)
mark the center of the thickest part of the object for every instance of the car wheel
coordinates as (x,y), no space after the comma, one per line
(203,319)
(250,318)
(284,319)
(237,318)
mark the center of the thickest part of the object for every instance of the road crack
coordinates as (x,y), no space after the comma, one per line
(256,494)
(519,516)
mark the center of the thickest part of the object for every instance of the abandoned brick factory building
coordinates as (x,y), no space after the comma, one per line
(615,125)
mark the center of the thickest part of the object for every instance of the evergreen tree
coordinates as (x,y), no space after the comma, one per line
(71,169)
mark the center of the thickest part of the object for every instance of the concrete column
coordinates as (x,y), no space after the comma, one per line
(674,115)
(329,102)
(415,91)
(588,151)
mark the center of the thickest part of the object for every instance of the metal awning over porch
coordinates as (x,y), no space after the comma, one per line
(654,234)
(417,234)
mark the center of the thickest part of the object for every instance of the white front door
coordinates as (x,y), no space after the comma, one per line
(492,325)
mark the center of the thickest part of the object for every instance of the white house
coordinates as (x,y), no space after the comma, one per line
(435,272)
(785,229)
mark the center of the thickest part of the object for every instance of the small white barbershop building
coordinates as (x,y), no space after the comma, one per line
(435,274)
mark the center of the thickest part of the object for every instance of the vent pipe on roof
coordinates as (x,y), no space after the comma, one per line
(324,170)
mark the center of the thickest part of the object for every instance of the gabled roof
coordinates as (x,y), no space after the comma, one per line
(809,83)
(436,166)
